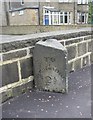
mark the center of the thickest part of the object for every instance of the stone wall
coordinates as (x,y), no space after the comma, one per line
(17,72)
(82,8)
(79,52)
(17,59)
(29,29)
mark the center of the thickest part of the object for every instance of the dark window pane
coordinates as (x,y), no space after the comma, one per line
(61,19)
(82,18)
(65,13)
(65,19)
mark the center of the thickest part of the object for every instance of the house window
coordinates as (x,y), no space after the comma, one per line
(61,17)
(21,12)
(82,17)
(13,14)
(56,18)
(66,17)
(82,1)
(22,2)
(46,11)
(50,17)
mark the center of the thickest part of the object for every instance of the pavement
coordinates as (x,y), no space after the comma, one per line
(35,104)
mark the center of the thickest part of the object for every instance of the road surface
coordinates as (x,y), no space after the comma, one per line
(35,104)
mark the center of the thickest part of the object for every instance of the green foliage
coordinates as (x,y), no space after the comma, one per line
(90,13)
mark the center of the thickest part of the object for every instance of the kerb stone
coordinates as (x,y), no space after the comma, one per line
(50,66)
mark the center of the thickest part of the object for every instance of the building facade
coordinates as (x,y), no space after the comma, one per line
(82,11)
(4,16)
(62,12)
(24,16)
(23,13)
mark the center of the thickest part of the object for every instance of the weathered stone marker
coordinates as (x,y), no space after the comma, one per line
(50,66)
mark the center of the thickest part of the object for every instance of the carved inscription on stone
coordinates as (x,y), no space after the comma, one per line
(50,68)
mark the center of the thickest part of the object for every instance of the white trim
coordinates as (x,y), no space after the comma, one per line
(47,0)
(83,1)
(64,0)
(21,12)
(47,7)
(49,18)
(13,14)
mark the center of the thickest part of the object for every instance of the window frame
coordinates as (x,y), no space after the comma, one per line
(82,1)
(68,14)
(21,12)
(13,14)
(65,1)
(79,18)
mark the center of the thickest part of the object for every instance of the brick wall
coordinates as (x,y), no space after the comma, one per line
(17,59)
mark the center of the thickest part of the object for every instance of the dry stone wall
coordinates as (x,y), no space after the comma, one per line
(16,60)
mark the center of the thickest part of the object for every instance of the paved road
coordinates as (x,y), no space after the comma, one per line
(11,38)
(35,104)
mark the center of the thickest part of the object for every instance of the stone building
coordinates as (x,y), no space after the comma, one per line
(23,13)
(82,11)
(24,16)
(4,16)
(61,12)
(64,12)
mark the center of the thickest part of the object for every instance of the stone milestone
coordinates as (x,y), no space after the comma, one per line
(50,66)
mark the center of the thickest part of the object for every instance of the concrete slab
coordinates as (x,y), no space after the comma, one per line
(35,104)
